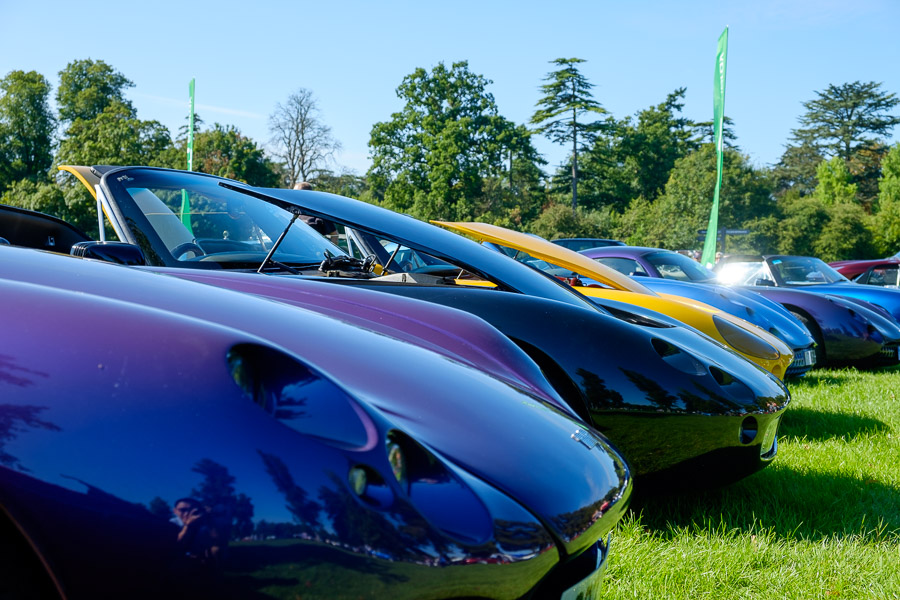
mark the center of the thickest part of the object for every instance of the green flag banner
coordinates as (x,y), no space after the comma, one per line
(709,246)
(185,203)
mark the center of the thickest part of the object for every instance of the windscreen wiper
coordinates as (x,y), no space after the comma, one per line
(268,258)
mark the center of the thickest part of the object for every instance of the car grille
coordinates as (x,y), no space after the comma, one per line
(889,354)
(804,360)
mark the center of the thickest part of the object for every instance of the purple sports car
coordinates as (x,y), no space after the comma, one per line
(165,439)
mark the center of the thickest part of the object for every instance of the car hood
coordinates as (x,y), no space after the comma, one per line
(744,304)
(548,251)
(888,299)
(456,334)
(473,420)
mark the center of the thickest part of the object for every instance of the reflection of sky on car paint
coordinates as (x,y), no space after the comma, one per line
(112,458)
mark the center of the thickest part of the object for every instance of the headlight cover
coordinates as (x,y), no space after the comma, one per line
(745,341)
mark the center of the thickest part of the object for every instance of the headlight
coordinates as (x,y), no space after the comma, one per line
(745,341)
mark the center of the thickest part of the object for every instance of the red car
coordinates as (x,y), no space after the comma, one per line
(881,271)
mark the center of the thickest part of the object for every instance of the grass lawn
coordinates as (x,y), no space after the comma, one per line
(823,521)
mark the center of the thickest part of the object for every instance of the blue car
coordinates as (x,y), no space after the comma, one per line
(807,273)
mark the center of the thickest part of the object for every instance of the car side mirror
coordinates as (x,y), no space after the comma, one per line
(637,274)
(765,282)
(114,252)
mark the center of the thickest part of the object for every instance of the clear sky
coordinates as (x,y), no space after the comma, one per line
(249,56)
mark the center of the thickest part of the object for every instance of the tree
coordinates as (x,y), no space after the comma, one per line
(834,183)
(672,221)
(433,158)
(847,117)
(87,88)
(114,137)
(846,235)
(558,220)
(300,139)
(887,217)
(567,97)
(850,121)
(796,170)
(26,127)
(634,158)
(42,196)
(225,152)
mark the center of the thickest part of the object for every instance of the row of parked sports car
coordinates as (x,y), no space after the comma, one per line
(243,407)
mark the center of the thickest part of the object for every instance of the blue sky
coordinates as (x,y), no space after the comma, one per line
(246,57)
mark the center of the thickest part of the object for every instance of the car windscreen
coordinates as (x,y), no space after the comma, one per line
(672,265)
(804,270)
(189,217)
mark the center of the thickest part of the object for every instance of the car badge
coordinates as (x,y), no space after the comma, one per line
(585,438)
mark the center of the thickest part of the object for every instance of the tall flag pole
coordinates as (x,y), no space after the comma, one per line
(709,245)
(185,204)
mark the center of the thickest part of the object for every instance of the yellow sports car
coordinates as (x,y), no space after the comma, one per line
(754,343)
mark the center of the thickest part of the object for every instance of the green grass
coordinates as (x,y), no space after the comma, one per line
(823,521)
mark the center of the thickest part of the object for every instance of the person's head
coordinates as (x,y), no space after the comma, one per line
(184,506)
(303,185)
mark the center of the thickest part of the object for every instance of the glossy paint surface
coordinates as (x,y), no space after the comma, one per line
(639,381)
(112,404)
(628,290)
(574,370)
(454,333)
(846,332)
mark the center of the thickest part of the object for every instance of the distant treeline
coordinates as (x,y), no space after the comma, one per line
(646,179)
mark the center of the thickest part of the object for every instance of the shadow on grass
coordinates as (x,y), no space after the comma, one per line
(820,425)
(788,503)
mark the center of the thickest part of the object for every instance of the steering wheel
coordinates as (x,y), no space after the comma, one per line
(182,249)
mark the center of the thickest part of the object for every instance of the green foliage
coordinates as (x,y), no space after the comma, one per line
(568,98)
(796,170)
(802,218)
(42,196)
(225,152)
(26,127)
(114,137)
(847,117)
(834,183)
(849,121)
(343,184)
(559,221)
(887,218)
(846,235)
(87,88)
(434,157)
(635,159)
(672,221)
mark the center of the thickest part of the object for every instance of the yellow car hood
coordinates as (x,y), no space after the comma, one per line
(552,253)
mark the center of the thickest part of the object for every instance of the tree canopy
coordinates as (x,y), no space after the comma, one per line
(434,157)
(27,126)
(568,98)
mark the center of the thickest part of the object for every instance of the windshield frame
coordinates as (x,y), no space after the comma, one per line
(135,227)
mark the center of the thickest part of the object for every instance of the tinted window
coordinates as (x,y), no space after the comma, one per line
(672,265)
(626,266)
